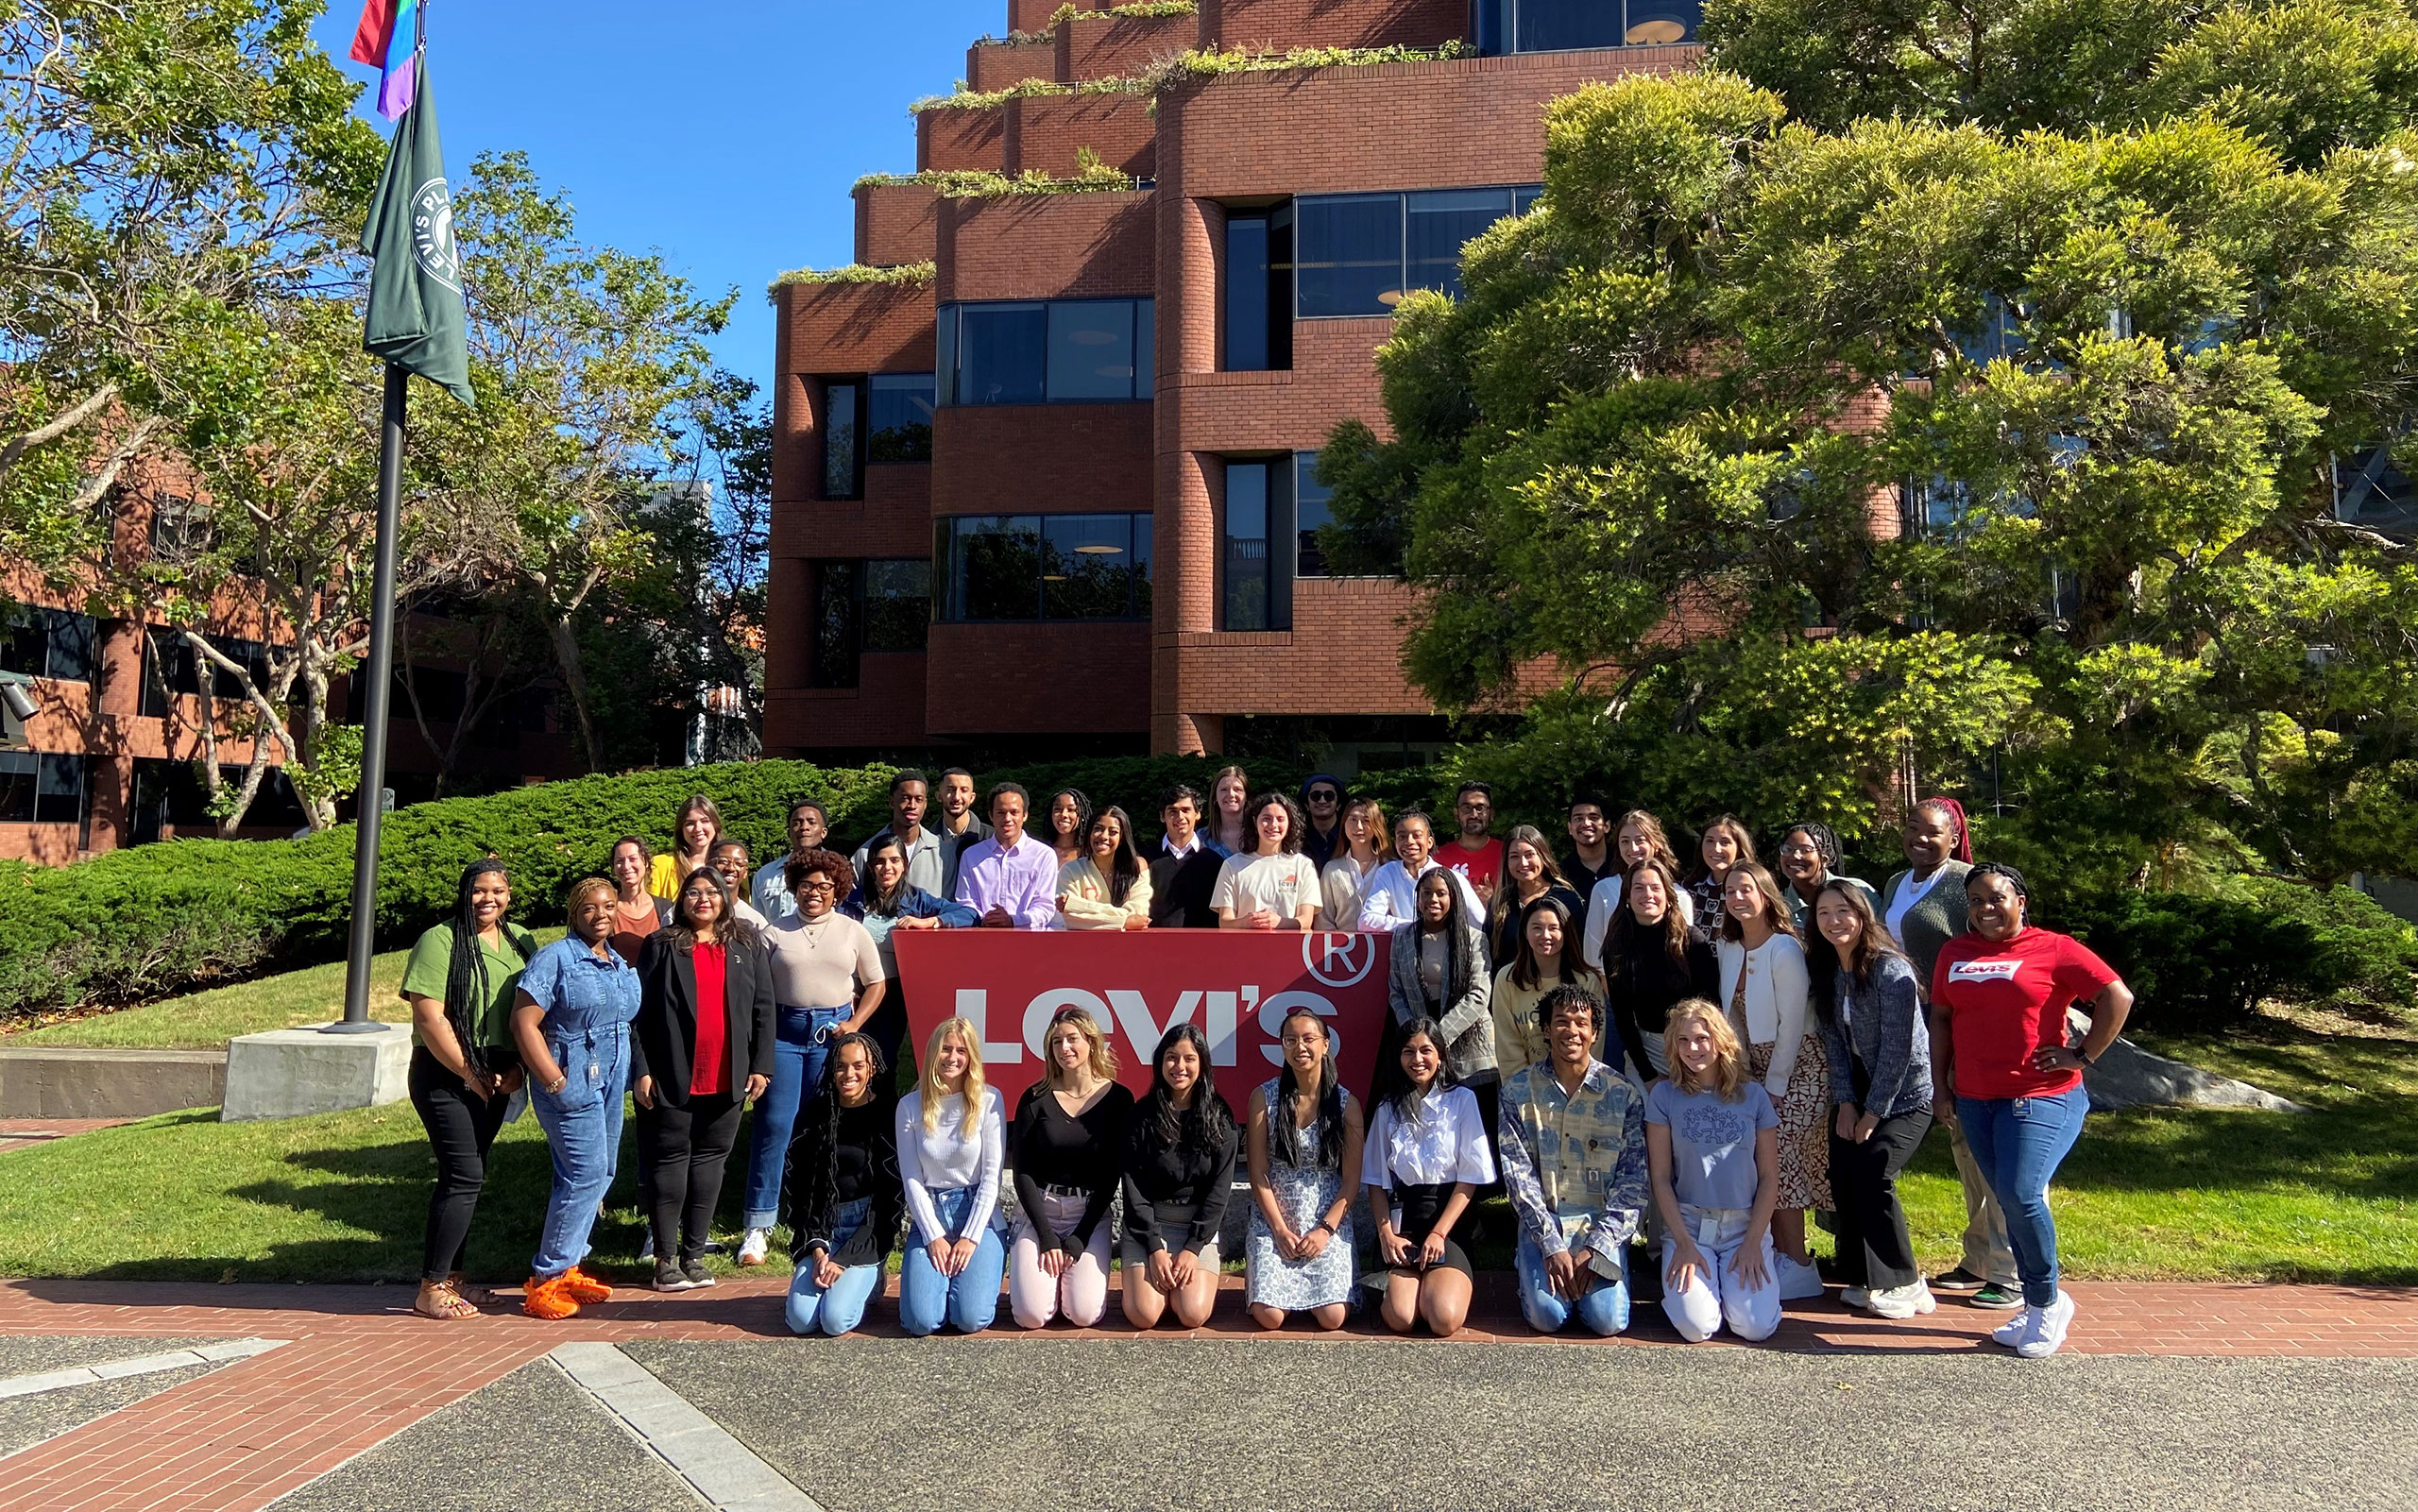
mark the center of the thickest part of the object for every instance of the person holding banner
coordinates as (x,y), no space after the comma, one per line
(1068,1148)
(952,1141)
(1106,888)
(1069,823)
(885,900)
(1009,879)
(1573,1143)
(1271,886)
(1425,1155)
(844,1193)
(1178,1169)
(1306,1135)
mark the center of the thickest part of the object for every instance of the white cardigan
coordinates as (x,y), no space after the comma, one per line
(1778,986)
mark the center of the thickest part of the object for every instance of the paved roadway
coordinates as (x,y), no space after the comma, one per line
(1008,1424)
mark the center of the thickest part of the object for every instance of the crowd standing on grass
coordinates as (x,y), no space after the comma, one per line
(1669,1067)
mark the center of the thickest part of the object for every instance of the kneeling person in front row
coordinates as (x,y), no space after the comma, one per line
(1712,1147)
(1427,1153)
(1572,1134)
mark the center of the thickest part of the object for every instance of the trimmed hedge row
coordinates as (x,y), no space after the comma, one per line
(154,919)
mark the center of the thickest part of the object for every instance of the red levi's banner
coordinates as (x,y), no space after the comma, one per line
(1236,985)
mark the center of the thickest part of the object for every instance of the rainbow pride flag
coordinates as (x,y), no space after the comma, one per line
(385,40)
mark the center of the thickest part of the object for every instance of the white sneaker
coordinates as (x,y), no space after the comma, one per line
(2050,1331)
(1856,1297)
(2016,1327)
(751,1250)
(1913,1299)
(1797,1283)
(646,1251)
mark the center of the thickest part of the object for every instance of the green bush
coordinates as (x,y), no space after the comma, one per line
(155,920)
(2201,963)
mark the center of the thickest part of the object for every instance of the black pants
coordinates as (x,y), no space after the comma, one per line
(691,1146)
(888,1024)
(460,1127)
(1874,1250)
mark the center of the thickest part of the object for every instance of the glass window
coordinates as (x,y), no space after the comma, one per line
(835,623)
(51,643)
(1051,567)
(1561,25)
(1310,511)
(18,779)
(1524,198)
(1437,223)
(898,604)
(898,418)
(1091,349)
(70,651)
(1247,585)
(58,798)
(944,356)
(996,572)
(1001,353)
(1247,293)
(2370,491)
(1141,566)
(1086,567)
(843,406)
(1145,347)
(1655,23)
(1350,255)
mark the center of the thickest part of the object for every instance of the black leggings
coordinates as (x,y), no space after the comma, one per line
(691,1146)
(460,1128)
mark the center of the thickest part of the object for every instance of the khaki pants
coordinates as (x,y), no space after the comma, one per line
(1986,1253)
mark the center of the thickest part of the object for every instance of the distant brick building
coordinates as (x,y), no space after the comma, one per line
(1058,495)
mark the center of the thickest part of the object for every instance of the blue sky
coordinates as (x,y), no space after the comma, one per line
(723,134)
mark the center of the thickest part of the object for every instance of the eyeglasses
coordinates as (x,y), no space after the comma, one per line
(1800,851)
(824,885)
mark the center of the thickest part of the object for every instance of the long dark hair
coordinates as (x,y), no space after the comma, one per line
(1208,1122)
(1126,868)
(1525,971)
(730,930)
(1460,969)
(1625,939)
(1295,823)
(1284,1136)
(466,987)
(1403,1099)
(822,1176)
(1872,947)
(1050,820)
(877,903)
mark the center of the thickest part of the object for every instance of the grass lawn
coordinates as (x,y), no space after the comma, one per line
(207,1020)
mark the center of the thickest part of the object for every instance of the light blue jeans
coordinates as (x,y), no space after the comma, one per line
(839,1307)
(583,1124)
(1603,1310)
(803,1043)
(969,1299)
(2018,1142)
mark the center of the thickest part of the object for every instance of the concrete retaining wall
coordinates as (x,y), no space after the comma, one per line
(41,1081)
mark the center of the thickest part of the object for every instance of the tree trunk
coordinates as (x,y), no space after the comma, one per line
(566,638)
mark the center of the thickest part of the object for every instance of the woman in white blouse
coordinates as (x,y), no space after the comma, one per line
(1107,886)
(1765,986)
(1426,1154)
(952,1139)
(1274,886)
(1345,881)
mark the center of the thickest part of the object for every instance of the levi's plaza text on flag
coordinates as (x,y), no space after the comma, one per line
(416,314)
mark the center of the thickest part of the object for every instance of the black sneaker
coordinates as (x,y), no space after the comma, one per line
(1959,1279)
(669,1278)
(1996,1298)
(696,1274)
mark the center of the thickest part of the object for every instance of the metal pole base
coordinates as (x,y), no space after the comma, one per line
(355,1026)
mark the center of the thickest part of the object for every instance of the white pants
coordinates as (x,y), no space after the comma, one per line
(1715,1295)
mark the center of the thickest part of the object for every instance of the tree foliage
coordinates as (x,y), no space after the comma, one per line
(1832,455)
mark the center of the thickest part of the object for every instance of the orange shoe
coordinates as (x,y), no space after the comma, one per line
(549,1298)
(584,1288)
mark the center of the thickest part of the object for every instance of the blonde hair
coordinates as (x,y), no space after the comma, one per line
(579,891)
(1103,1060)
(927,1081)
(1728,1077)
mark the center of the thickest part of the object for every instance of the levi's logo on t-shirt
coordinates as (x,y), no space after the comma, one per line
(1985,970)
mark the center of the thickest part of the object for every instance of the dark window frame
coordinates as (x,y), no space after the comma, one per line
(849,393)
(892,445)
(955,352)
(1519,199)
(1495,25)
(955,566)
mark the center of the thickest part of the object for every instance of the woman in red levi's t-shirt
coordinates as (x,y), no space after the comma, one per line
(1998,997)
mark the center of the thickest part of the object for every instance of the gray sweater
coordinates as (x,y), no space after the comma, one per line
(1467,1020)
(1934,922)
(1883,1031)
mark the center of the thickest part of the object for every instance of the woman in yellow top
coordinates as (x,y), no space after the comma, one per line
(1107,887)
(1549,958)
(692,841)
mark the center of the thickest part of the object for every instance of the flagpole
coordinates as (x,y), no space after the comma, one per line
(378,676)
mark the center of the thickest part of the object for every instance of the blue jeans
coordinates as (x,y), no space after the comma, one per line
(1604,1311)
(2018,1142)
(968,1299)
(839,1307)
(798,1055)
(583,1124)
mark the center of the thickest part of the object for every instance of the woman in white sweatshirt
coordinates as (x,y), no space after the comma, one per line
(1765,989)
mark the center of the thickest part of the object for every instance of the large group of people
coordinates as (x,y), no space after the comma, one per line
(1690,1055)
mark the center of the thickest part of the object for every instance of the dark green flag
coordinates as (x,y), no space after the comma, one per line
(415,289)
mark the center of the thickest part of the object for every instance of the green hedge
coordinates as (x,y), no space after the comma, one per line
(155,920)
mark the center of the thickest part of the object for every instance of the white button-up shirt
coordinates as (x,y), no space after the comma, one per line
(1447,1144)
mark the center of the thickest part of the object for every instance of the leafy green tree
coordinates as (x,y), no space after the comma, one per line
(1827,461)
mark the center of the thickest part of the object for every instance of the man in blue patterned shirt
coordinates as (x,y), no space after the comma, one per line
(1572,1139)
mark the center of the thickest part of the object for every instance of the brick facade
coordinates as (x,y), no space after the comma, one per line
(961,137)
(994,65)
(1280,25)
(1105,46)
(1047,133)
(895,224)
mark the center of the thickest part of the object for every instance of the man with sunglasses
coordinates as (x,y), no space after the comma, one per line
(1323,798)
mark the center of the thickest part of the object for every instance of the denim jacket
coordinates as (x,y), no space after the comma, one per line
(581,994)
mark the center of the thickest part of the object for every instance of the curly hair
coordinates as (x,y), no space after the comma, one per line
(830,863)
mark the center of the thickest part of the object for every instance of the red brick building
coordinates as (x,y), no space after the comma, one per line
(1057,493)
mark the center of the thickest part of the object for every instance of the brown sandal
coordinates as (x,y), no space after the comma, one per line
(440,1300)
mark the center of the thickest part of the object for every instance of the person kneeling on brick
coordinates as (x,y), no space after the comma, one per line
(1713,1150)
(572,1021)
(1572,1139)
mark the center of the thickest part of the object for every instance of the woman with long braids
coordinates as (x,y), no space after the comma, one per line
(845,1196)
(459,981)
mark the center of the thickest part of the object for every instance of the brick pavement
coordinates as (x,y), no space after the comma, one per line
(18,1133)
(362,1367)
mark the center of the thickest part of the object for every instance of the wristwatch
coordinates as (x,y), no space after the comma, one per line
(2086,1058)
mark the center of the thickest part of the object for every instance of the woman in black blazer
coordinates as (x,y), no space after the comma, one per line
(702,1049)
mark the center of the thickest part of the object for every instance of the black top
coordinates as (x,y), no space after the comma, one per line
(663,1038)
(1326,847)
(1159,1171)
(862,1163)
(1583,876)
(1181,888)
(1049,1146)
(1646,986)
(1504,942)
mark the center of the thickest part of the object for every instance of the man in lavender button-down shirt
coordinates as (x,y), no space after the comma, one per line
(1011,879)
